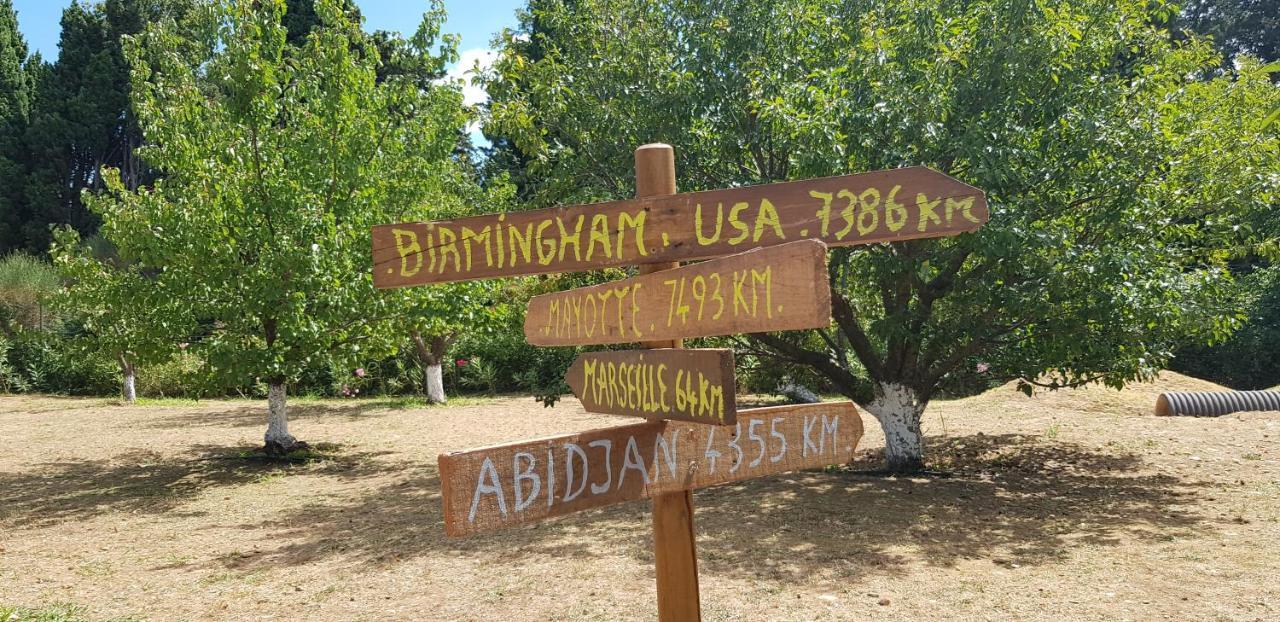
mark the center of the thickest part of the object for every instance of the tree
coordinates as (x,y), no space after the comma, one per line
(116,306)
(276,162)
(450,312)
(15,89)
(81,120)
(15,108)
(1115,181)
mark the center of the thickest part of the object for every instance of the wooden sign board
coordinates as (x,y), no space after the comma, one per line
(505,485)
(880,206)
(770,289)
(682,385)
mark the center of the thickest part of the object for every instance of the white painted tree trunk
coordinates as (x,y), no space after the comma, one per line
(898,408)
(128,385)
(435,383)
(278,438)
(431,357)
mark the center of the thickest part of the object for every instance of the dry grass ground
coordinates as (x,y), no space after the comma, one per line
(1078,505)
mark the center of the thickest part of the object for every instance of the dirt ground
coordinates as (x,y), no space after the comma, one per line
(1078,505)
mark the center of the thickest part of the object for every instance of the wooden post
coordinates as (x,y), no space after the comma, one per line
(674,549)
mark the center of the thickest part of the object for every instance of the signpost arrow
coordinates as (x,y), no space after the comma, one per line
(880,206)
(683,385)
(505,485)
(771,289)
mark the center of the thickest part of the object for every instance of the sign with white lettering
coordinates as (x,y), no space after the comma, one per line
(505,485)
(880,206)
(681,385)
(770,289)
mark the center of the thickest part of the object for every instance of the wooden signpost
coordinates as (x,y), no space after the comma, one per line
(516,483)
(767,272)
(656,228)
(770,289)
(677,385)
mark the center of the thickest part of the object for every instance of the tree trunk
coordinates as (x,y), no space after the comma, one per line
(434,375)
(278,440)
(128,390)
(431,353)
(898,408)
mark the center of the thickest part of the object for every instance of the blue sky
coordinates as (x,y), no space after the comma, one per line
(476,20)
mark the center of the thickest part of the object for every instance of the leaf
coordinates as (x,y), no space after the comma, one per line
(1269,119)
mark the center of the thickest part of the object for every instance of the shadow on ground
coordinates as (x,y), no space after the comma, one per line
(254,415)
(146,482)
(1010,498)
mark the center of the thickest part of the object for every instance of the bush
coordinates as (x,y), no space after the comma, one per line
(48,362)
(508,361)
(10,380)
(26,283)
(1248,360)
(180,376)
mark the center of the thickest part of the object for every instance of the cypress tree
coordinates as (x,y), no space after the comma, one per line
(15,108)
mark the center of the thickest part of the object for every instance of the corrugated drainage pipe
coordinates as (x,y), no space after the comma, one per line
(1216,403)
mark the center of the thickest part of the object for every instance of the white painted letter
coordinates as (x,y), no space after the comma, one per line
(551,477)
(782,440)
(493,488)
(830,429)
(570,450)
(808,440)
(668,454)
(631,460)
(608,465)
(520,477)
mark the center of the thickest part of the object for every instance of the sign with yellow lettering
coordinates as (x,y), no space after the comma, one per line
(684,385)
(881,206)
(505,485)
(769,289)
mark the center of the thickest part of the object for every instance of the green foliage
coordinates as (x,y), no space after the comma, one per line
(1120,186)
(49,362)
(180,376)
(80,121)
(116,308)
(478,373)
(1247,360)
(277,160)
(15,108)
(517,365)
(15,90)
(26,286)
(10,380)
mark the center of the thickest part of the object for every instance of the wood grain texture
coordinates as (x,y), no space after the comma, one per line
(879,206)
(678,385)
(675,556)
(656,176)
(771,289)
(515,483)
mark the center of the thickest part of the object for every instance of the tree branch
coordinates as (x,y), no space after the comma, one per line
(846,381)
(847,320)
